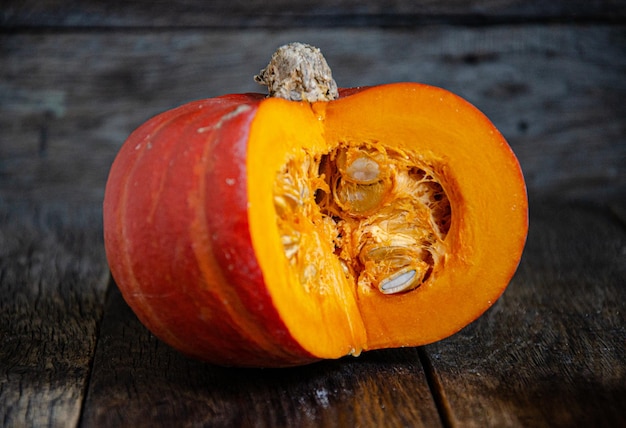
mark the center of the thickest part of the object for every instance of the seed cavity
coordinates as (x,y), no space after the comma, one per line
(382,214)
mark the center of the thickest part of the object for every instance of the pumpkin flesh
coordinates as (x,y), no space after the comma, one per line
(332,309)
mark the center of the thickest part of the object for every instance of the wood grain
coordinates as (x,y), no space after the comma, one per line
(551,352)
(52,280)
(68,101)
(139,381)
(31,14)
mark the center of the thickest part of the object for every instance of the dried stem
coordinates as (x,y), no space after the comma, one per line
(298,72)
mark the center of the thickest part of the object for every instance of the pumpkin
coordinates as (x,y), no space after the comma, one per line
(247,230)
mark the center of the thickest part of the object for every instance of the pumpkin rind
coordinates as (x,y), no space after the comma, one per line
(177,240)
(193,243)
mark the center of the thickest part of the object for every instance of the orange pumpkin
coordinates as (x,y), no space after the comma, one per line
(253,231)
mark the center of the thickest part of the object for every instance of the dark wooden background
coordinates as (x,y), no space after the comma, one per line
(76,78)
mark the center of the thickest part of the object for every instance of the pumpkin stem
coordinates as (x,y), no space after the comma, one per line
(298,72)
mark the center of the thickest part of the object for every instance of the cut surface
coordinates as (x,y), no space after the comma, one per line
(319,308)
(393,216)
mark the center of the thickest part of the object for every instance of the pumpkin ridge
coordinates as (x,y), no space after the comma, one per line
(131,290)
(253,328)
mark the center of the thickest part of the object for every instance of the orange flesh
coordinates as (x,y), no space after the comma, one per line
(397,216)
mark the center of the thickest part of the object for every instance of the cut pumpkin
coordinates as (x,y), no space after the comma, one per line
(255,231)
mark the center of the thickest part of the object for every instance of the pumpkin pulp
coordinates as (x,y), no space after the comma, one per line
(387,209)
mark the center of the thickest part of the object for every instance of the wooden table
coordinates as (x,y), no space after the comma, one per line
(76,79)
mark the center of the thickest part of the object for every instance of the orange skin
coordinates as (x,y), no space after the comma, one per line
(184,224)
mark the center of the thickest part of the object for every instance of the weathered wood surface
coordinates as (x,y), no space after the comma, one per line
(76,78)
(19,14)
(53,276)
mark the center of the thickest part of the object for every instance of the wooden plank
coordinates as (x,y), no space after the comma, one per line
(139,381)
(52,280)
(67,101)
(552,351)
(307,13)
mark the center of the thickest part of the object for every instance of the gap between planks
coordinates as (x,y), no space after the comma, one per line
(436,389)
(92,359)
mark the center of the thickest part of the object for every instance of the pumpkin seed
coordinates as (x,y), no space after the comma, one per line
(291,242)
(363,170)
(396,255)
(404,280)
(359,199)
(361,166)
